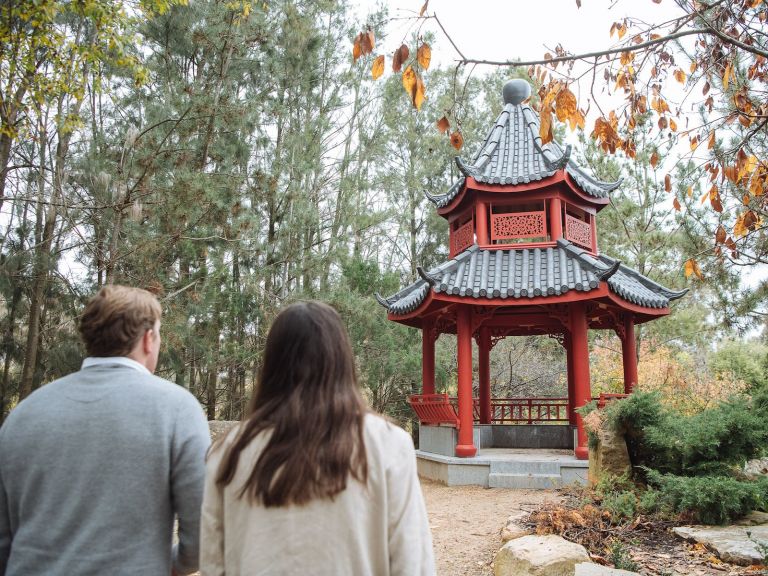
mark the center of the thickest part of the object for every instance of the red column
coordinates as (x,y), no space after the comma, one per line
(481,224)
(593,227)
(465,446)
(484,360)
(571,393)
(555,219)
(581,383)
(629,352)
(427,358)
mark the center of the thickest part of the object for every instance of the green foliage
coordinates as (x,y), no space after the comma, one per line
(618,555)
(747,361)
(708,499)
(712,441)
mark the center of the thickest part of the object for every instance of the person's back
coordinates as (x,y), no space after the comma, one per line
(311,482)
(93,469)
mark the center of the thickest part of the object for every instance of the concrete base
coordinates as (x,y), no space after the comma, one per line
(442,440)
(505,468)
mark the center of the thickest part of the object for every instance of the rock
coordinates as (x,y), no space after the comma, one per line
(730,543)
(538,556)
(589,569)
(220,427)
(758,467)
(754,518)
(611,455)
(514,527)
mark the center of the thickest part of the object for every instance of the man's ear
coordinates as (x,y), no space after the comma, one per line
(146,341)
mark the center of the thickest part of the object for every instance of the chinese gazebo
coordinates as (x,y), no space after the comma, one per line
(523,261)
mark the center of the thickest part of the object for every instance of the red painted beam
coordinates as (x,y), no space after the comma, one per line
(465,446)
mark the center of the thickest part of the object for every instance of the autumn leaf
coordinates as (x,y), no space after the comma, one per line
(711,141)
(578,3)
(693,67)
(424,55)
(672,125)
(545,128)
(679,76)
(654,159)
(676,204)
(418,95)
(727,75)
(457,140)
(378,67)
(443,125)
(400,56)
(369,42)
(409,81)
(692,267)
(714,199)
(565,105)
(423,8)
(720,235)
(690,192)
(668,183)
(694,143)
(356,48)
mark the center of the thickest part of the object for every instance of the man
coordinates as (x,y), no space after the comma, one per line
(95,466)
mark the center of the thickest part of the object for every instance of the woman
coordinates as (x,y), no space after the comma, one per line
(310,482)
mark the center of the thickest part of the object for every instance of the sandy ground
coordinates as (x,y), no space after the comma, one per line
(466,523)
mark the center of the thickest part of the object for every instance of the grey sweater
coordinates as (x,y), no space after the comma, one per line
(93,469)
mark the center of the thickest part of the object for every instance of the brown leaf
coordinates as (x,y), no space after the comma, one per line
(356,48)
(654,159)
(423,8)
(663,123)
(714,199)
(720,235)
(676,204)
(424,55)
(378,67)
(705,89)
(565,105)
(400,56)
(545,128)
(711,142)
(672,125)
(727,73)
(457,140)
(668,183)
(578,3)
(679,76)
(443,125)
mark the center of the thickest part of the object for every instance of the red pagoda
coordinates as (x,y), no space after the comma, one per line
(523,261)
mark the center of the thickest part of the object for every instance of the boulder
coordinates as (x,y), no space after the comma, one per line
(220,427)
(514,527)
(589,569)
(755,468)
(610,456)
(730,543)
(539,556)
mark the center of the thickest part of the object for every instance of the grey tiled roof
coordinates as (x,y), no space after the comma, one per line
(529,272)
(513,154)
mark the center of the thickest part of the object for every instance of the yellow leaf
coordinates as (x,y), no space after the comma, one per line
(378,67)
(356,48)
(672,125)
(693,67)
(622,30)
(409,80)
(692,267)
(424,55)
(457,140)
(443,125)
(711,141)
(679,76)
(694,143)
(545,128)
(690,191)
(418,95)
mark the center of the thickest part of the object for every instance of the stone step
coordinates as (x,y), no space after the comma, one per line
(529,481)
(525,467)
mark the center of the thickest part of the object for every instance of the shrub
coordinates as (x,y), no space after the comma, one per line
(708,499)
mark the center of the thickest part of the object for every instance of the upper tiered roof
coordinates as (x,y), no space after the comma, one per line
(513,153)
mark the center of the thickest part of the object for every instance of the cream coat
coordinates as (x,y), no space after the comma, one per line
(378,530)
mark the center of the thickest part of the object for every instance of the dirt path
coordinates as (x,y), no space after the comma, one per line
(466,523)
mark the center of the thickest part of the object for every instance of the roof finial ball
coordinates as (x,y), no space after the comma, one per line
(516,91)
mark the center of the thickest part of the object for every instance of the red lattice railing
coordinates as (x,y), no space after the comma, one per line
(522,410)
(518,225)
(462,238)
(434,409)
(578,231)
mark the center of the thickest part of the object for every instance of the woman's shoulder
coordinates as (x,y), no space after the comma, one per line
(383,430)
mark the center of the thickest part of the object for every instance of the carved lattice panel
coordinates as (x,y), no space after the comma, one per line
(578,231)
(518,225)
(462,238)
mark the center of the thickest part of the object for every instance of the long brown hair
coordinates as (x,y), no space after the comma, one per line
(307,397)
